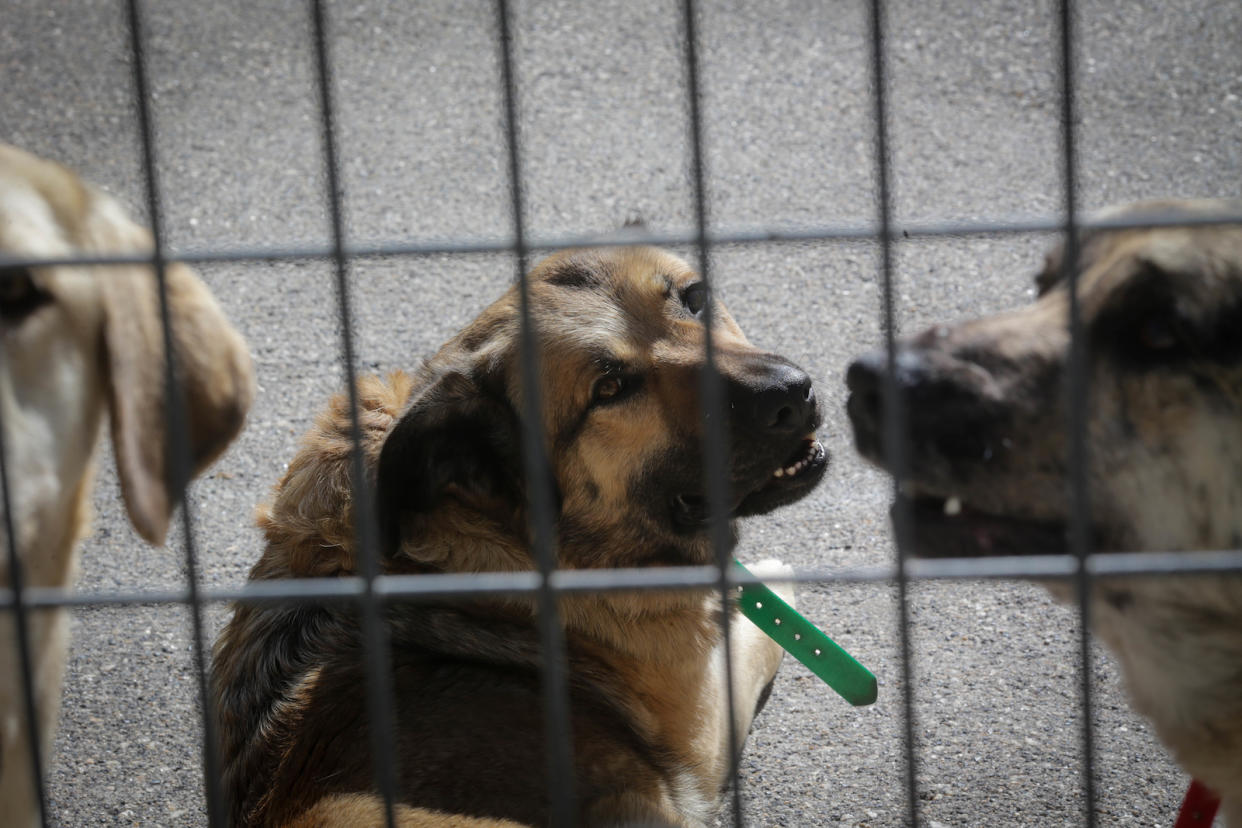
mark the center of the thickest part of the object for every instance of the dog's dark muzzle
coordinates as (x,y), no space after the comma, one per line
(950,407)
(775,456)
(954,426)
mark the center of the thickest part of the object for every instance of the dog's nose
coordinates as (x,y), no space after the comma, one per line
(946,399)
(865,380)
(781,400)
(866,374)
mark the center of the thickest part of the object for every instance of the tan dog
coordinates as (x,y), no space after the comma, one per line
(1162,315)
(621,345)
(79,341)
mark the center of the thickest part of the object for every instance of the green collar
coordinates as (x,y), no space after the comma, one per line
(805,642)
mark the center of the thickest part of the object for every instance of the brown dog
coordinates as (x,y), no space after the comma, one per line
(79,341)
(621,345)
(1162,315)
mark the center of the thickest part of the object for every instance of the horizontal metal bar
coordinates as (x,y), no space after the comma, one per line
(1164,563)
(720,237)
(456,585)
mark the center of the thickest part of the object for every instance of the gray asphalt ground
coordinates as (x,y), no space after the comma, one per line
(975,131)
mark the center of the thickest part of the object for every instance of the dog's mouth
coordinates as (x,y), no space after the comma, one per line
(948,527)
(788,482)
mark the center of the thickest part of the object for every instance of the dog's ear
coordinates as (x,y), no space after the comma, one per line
(211,362)
(459,438)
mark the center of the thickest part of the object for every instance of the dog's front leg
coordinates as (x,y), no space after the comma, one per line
(756,657)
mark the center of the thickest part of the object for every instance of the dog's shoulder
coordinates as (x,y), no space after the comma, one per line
(309,523)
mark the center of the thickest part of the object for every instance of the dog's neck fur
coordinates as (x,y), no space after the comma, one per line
(677,623)
(310,533)
(613,639)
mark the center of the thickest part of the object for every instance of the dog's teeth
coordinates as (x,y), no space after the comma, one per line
(953,506)
(778,473)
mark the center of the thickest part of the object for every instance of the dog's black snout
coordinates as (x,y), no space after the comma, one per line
(865,379)
(779,401)
(947,410)
(867,374)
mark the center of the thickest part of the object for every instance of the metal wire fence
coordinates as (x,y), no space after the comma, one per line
(370,590)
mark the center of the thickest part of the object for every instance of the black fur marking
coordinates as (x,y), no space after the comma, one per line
(479,335)
(575,276)
(1144,328)
(1119,600)
(455,435)
(480,669)
(585,544)
(249,683)
(764,695)
(1124,420)
(20,295)
(958,423)
(566,436)
(606,364)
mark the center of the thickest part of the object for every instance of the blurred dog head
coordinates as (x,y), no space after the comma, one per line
(81,340)
(988,406)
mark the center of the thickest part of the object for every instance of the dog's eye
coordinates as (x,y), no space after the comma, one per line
(19,295)
(612,388)
(1158,333)
(695,298)
(608,388)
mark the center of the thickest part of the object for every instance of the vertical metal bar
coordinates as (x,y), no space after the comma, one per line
(376,655)
(1079,456)
(177,457)
(711,395)
(896,432)
(561,788)
(21,625)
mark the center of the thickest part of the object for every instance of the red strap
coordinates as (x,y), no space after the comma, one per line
(1198,808)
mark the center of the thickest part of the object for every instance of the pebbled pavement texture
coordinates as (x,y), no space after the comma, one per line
(974,118)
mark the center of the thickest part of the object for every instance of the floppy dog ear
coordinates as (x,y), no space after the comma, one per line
(214,376)
(458,439)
